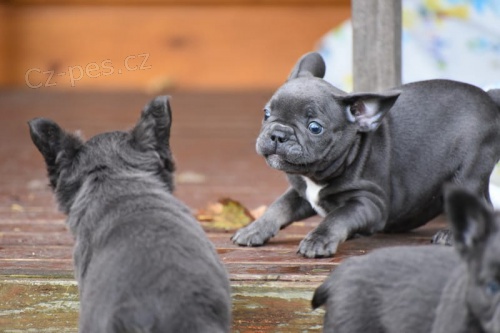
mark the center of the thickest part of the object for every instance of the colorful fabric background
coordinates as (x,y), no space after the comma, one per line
(453,39)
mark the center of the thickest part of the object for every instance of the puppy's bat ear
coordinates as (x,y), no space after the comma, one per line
(470,218)
(56,146)
(152,131)
(309,65)
(367,109)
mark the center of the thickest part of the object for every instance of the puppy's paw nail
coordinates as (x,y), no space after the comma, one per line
(318,246)
(443,237)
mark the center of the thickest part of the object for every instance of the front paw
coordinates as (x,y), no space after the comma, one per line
(319,245)
(255,234)
(443,237)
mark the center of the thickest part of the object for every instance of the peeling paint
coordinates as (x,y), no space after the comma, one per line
(44,304)
(38,305)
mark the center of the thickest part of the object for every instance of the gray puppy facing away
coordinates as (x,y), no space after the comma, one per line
(142,261)
(369,162)
(421,289)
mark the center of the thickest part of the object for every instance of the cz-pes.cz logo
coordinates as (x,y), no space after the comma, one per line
(37,78)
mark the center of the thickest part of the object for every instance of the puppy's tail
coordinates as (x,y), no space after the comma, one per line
(320,295)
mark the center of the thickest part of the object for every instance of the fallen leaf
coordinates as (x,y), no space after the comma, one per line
(17,208)
(207,214)
(227,215)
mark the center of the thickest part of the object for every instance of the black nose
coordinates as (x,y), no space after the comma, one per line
(279,136)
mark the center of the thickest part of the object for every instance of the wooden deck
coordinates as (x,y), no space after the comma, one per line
(213,138)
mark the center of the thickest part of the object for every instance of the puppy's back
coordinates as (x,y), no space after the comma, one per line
(389,290)
(165,273)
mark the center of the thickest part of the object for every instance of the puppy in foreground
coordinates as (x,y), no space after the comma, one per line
(142,262)
(369,162)
(423,289)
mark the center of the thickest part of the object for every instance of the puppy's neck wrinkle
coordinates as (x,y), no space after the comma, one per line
(338,167)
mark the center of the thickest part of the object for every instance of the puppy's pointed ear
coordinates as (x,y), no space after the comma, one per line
(55,145)
(152,131)
(367,109)
(309,65)
(470,218)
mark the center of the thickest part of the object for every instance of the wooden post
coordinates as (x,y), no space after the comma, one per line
(376,44)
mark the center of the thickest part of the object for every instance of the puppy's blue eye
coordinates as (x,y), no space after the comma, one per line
(267,114)
(315,128)
(492,287)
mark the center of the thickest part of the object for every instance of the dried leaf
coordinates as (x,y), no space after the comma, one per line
(207,214)
(227,214)
(17,208)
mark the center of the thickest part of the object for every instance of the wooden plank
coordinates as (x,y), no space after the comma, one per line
(376,44)
(275,307)
(39,304)
(155,47)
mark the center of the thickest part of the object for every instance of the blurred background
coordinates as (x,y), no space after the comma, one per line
(159,44)
(91,65)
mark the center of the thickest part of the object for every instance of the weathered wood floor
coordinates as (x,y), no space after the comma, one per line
(213,138)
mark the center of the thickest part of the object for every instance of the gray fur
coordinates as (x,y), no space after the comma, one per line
(381,159)
(142,261)
(421,289)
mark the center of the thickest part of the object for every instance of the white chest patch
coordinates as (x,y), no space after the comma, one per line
(312,195)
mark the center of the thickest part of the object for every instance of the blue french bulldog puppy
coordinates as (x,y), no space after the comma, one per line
(370,162)
(142,261)
(421,289)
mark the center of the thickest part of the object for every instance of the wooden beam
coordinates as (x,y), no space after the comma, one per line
(307,3)
(376,44)
(152,47)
